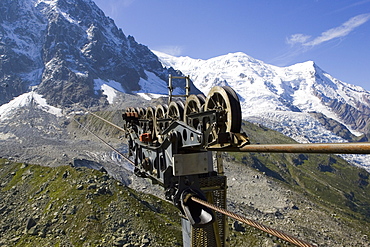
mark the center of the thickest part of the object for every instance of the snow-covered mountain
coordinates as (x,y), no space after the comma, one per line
(25,100)
(55,52)
(301,101)
(71,51)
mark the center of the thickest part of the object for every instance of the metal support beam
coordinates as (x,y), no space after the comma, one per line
(328,148)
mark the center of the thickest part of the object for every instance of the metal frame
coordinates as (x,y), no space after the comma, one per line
(170,88)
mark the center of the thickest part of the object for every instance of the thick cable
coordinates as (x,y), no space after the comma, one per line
(255,224)
(110,123)
(106,143)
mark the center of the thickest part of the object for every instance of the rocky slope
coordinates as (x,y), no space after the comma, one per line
(65,206)
(319,198)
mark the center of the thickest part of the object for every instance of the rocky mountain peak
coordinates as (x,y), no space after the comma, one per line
(64,47)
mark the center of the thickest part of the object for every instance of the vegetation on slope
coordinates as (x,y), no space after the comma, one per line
(326,179)
(65,206)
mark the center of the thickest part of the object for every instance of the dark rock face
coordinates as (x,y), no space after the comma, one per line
(62,46)
(336,127)
(354,112)
(358,119)
(19,34)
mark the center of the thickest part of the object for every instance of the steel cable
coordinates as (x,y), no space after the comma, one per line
(254,224)
(106,143)
(112,124)
(99,138)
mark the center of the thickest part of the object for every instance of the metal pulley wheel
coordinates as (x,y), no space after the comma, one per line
(149,113)
(226,102)
(142,112)
(193,105)
(149,116)
(131,111)
(175,110)
(160,114)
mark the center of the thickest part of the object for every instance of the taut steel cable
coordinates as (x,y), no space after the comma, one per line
(106,143)
(254,224)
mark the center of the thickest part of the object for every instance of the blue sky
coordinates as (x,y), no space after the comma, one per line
(335,34)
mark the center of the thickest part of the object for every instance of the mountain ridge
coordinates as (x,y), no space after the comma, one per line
(286,88)
(284,98)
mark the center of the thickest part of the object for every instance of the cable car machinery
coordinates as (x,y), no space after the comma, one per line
(172,145)
(169,145)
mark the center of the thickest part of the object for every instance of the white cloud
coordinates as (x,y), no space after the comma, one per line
(127,3)
(301,43)
(173,50)
(341,31)
(337,32)
(297,38)
(351,5)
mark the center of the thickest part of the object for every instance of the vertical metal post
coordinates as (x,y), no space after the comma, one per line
(186,233)
(170,89)
(187,88)
(220,163)
(215,234)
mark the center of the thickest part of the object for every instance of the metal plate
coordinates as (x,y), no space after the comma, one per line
(190,164)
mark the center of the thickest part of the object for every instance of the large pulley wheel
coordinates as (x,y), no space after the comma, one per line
(160,114)
(193,105)
(226,102)
(175,110)
(141,112)
(149,116)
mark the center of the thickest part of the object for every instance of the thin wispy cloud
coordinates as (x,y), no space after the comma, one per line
(114,7)
(127,3)
(334,33)
(173,50)
(302,43)
(298,38)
